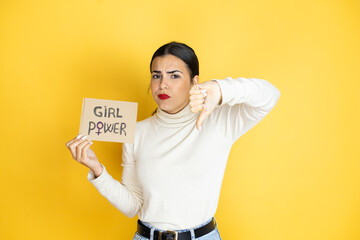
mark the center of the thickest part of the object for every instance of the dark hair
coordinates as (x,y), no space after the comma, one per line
(182,51)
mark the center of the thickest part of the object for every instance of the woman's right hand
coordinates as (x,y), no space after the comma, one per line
(81,152)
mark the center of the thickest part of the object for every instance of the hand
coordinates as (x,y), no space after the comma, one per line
(81,152)
(204,97)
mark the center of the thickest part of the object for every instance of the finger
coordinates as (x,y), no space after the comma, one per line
(79,150)
(193,88)
(196,102)
(197,97)
(201,118)
(197,91)
(196,109)
(85,148)
(72,140)
(74,145)
(197,86)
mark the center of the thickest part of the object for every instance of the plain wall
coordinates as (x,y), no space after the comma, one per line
(294,176)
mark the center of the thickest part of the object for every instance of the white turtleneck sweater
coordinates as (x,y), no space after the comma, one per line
(172,173)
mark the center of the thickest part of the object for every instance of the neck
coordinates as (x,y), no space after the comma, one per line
(176,119)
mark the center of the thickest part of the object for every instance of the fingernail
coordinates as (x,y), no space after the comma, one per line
(203,91)
(78,136)
(91,143)
(205,94)
(203,100)
(84,137)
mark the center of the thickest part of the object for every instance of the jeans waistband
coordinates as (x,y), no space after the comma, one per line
(180,230)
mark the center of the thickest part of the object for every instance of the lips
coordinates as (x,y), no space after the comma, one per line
(163,96)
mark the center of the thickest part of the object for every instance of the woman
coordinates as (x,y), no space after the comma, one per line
(172,173)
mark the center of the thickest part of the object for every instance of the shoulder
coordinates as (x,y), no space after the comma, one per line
(141,131)
(144,123)
(143,126)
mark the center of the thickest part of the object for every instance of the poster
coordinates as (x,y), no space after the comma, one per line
(108,120)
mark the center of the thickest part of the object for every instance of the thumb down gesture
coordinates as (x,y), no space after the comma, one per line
(204,97)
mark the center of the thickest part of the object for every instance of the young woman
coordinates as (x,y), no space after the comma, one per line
(172,173)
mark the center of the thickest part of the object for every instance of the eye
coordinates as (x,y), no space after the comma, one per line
(155,76)
(175,76)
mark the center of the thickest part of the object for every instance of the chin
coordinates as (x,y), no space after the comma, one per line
(166,107)
(170,111)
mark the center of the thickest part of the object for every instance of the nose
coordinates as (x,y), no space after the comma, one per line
(163,84)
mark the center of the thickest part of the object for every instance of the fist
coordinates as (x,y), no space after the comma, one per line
(204,97)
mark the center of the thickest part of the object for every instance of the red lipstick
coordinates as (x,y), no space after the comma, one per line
(163,96)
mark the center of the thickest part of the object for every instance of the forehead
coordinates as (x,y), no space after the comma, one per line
(168,62)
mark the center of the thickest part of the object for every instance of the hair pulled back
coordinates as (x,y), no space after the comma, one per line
(182,51)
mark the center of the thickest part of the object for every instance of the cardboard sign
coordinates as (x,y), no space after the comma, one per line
(108,120)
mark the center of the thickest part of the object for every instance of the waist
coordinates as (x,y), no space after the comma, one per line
(146,230)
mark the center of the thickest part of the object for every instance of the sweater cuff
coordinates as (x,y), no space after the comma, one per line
(97,180)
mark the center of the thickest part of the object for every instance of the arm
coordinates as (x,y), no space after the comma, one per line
(127,195)
(245,102)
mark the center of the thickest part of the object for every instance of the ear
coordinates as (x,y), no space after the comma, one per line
(195,79)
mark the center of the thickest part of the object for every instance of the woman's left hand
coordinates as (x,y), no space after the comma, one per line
(204,97)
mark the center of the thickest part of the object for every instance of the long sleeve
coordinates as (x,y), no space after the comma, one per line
(245,102)
(126,195)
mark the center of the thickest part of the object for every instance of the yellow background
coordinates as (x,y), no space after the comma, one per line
(293,176)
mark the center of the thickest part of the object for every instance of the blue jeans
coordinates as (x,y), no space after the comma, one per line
(213,235)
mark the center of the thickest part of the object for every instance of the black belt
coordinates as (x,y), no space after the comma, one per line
(174,235)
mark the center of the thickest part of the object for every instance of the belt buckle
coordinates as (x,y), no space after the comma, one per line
(175,233)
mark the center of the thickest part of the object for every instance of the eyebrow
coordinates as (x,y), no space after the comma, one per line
(173,71)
